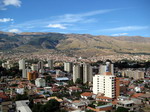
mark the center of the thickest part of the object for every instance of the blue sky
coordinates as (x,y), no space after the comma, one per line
(96,17)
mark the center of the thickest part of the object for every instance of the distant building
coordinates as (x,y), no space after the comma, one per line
(25,72)
(68,66)
(40,65)
(20,90)
(108,67)
(34,67)
(40,82)
(82,71)
(136,74)
(21,64)
(50,64)
(32,75)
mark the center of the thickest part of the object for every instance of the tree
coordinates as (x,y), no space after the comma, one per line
(79,81)
(51,106)
(89,111)
(122,109)
(49,79)
(70,83)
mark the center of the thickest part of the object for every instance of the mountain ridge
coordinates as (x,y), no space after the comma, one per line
(76,43)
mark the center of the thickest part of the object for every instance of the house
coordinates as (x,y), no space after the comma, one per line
(58,99)
(40,82)
(20,90)
(103,108)
(3,97)
(78,104)
(7,106)
(74,89)
(103,99)
(86,95)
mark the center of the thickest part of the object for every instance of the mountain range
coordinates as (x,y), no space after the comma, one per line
(85,44)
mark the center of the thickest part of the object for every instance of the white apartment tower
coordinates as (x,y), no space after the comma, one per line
(76,72)
(68,66)
(106,83)
(21,64)
(25,72)
(82,71)
(87,73)
(50,64)
(106,68)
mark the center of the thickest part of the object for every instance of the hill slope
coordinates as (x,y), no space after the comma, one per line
(76,43)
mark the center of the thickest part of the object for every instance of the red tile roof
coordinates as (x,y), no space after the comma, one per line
(87,94)
(137,95)
(104,97)
(3,95)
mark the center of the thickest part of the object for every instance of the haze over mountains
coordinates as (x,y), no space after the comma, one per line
(75,43)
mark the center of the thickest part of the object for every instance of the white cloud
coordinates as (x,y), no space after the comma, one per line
(81,17)
(126,28)
(4,20)
(61,21)
(15,30)
(60,26)
(120,34)
(16,3)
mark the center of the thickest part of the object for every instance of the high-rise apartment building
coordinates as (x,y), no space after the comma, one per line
(68,66)
(108,67)
(50,64)
(25,72)
(82,71)
(40,65)
(21,64)
(106,83)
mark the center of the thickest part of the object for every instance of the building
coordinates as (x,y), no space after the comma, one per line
(40,65)
(21,64)
(108,67)
(106,83)
(50,64)
(34,67)
(40,82)
(68,66)
(22,106)
(82,71)
(32,75)
(136,74)
(25,72)
(76,72)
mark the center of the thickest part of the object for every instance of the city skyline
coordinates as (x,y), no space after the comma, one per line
(118,18)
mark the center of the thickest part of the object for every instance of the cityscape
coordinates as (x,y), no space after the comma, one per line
(74,56)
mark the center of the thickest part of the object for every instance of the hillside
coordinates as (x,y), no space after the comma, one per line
(75,43)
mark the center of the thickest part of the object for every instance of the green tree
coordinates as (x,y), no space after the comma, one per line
(89,111)
(51,106)
(70,83)
(79,81)
(122,109)
(49,79)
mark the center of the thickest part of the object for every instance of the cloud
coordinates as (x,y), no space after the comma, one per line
(16,3)
(81,17)
(120,34)
(61,21)
(60,26)
(4,20)
(15,30)
(126,28)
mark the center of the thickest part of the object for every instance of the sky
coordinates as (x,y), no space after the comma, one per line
(96,17)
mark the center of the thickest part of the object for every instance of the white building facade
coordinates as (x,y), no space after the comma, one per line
(40,82)
(104,84)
